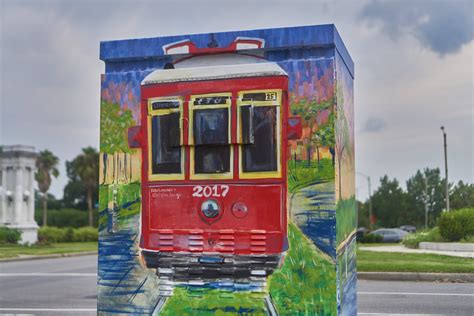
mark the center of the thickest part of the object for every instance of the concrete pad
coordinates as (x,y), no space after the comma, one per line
(447,246)
(403,249)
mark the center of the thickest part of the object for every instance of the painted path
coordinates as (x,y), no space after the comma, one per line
(312,209)
(130,289)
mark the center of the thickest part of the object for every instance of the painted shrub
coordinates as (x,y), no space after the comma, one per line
(317,276)
(346,212)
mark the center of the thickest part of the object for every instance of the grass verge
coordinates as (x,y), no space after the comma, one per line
(371,261)
(378,244)
(11,251)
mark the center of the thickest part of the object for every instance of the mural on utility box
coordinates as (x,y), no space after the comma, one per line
(227,180)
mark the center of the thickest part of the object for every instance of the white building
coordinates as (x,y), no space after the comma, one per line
(17,195)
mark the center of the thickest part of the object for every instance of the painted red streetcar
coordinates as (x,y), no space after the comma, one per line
(214,133)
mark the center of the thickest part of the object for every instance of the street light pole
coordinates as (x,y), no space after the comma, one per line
(446,168)
(426,202)
(370,204)
(370,199)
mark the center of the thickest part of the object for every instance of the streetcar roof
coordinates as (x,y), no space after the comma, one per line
(206,68)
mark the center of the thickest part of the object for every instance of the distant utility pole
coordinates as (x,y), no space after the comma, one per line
(426,202)
(446,168)
(370,199)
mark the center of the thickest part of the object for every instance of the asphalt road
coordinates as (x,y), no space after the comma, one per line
(67,286)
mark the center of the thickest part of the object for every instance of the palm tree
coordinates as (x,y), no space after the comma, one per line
(46,163)
(86,166)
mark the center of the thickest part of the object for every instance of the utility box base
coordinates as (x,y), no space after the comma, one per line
(227,175)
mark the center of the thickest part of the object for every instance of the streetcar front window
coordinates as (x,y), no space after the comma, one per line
(211,150)
(211,138)
(211,127)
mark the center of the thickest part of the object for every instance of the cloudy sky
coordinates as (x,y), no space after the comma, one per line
(414,70)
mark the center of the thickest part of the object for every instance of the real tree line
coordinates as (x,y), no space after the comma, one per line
(81,190)
(393,206)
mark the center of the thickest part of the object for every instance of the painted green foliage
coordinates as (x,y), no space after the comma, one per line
(213,302)
(343,146)
(346,214)
(311,111)
(301,174)
(318,117)
(346,218)
(305,285)
(114,123)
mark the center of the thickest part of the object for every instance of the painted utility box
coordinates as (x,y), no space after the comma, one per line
(227,174)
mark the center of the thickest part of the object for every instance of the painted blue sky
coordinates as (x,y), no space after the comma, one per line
(414,70)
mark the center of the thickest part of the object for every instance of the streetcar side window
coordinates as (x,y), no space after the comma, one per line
(211,153)
(246,115)
(262,154)
(259,135)
(166,153)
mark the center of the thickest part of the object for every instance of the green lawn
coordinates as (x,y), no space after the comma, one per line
(9,251)
(371,261)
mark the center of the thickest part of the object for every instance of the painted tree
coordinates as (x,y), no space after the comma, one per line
(342,140)
(86,167)
(113,134)
(311,113)
(46,164)
(325,134)
(316,111)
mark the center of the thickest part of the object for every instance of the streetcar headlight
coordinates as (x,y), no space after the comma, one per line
(210,208)
(239,209)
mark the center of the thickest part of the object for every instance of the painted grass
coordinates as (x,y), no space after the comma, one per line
(213,302)
(10,251)
(306,283)
(346,218)
(301,174)
(125,193)
(370,261)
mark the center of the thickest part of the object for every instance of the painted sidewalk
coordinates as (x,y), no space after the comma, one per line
(403,249)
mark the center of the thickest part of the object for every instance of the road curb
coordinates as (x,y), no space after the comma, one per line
(379,276)
(417,276)
(59,255)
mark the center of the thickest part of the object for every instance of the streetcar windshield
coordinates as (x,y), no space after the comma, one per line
(211,140)
(210,127)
